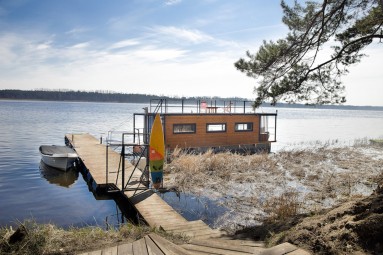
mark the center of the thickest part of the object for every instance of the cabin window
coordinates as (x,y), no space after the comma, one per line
(243,127)
(184,128)
(216,127)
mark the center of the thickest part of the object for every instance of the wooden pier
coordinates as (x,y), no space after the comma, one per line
(97,157)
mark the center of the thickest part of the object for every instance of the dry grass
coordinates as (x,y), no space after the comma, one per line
(282,207)
(50,239)
(259,186)
(187,170)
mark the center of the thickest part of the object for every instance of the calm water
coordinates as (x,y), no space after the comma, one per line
(29,190)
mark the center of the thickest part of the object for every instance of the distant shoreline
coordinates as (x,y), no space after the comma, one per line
(114,97)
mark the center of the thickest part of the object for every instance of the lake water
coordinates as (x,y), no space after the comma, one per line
(29,190)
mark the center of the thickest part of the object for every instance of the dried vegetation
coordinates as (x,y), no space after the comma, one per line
(33,238)
(271,187)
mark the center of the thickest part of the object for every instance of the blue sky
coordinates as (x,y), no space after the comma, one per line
(163,47)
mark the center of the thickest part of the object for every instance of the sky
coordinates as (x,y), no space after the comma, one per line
(158,47)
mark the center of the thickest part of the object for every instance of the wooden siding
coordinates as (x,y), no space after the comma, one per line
(201,138)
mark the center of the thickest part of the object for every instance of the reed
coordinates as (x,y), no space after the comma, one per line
(305,179)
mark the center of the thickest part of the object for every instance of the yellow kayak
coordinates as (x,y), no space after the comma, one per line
(156,152)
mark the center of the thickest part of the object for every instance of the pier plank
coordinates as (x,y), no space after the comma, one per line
(241,242)
(125,249)
(167,247)
(139,247)
(153,249)
(209,250)
(110,251)
(223,245)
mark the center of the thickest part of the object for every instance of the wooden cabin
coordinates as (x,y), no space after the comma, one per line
(220,126)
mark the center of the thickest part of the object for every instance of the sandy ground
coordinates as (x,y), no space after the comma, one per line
(274,187)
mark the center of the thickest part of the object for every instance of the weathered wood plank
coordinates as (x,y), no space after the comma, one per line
(223,245)
(167,247)
(110,251)
(213,234)
(188,224)
(125,249)
(241,242)
(153,249)
(139,247)
(209,250)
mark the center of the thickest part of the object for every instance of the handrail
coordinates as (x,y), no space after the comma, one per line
(228,106)
(128,141)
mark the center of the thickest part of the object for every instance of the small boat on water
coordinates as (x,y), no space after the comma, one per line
(60,157)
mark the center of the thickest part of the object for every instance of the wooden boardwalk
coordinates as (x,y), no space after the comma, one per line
(154,210)
(154,244)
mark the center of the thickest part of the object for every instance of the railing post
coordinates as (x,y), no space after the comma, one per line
(123,164)
(106,163)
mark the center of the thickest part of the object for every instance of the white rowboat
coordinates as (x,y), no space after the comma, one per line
(60,157)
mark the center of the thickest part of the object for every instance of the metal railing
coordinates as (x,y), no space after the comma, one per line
(200,106)
(130,147)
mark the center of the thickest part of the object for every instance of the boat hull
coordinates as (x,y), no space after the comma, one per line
(60,157)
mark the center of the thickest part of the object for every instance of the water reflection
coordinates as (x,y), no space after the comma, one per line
(60,178)
(195,207)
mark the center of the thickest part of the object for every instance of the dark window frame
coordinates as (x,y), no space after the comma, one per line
(194,125)
(244,130)
(216,131)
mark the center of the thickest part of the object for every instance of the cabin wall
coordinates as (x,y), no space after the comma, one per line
(201,138)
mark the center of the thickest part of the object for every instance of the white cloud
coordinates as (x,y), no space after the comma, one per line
(80,45)
(189,35)
(76,31)
(159,54)
(172,2)
(43,46)
(7,41)
(124,43)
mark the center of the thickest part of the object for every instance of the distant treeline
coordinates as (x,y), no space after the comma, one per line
(110,96)
(90,96)
(69,95)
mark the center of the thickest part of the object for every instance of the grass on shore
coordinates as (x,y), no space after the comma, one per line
(33,238)
(276,186)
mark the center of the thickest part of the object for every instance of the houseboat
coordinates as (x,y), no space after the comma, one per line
(199,125)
